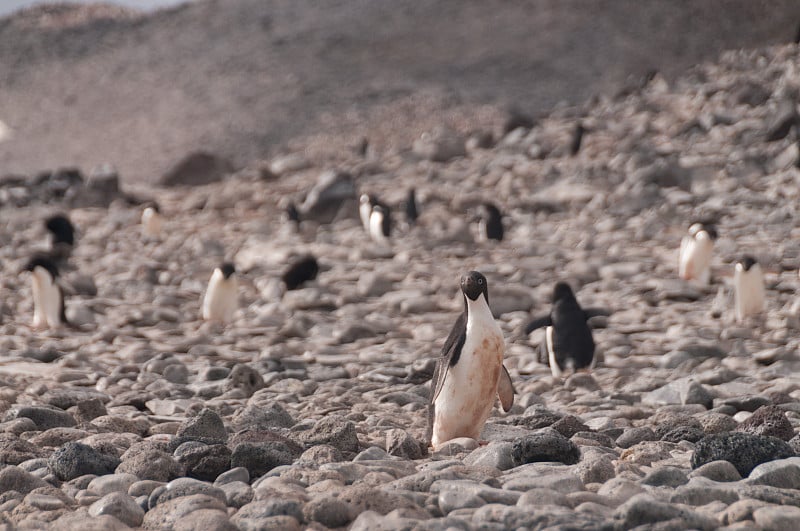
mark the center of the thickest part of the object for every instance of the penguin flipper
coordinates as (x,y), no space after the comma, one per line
(451,352)
(539,322)
(505,390)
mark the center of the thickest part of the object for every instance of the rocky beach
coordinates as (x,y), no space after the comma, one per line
(308,410)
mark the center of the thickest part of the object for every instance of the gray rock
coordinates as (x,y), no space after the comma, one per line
(769,421)
(721,471)
(782,121)
(196,169)
(400,443)
(107,484)
(101,188)
(440,145)
(13,478)
(772,518)
(166,515)
(75,459)
(329,511)
(120,506)
(321,454)
(66,398)
(14,450)
(683,433)
(643,510)
(595,469)
(713,422)
(244,378)
(273,506)
(259,416)
(237,493)
(332,191)
(633,436)
(207,425)
(696,393)
(782,473)
(495,454)
(204,462)
(544,446)
(234,474)
(563,482)
(569,425)
(743,450)
(452,499)
(182,487)
(334,431)
(746,403)
(260,458)
(152,464)
(207,520)
(45,417)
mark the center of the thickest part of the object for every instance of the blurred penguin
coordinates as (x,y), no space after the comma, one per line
(221,299)
(380,223)
(412,213)
(300,271)
(62,236)
(694,262)
(48,298)
(748,284)
(490,222)
(151,220)
(365,204)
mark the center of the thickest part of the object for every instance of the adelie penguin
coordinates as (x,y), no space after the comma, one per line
(62,236)
(469,374)
(412,212)
(694,262)
(151,220)
(568,343)
(380,224)
(748,285)
(48,298)
(365,204)
(221,299)
(300,271)
(490,223)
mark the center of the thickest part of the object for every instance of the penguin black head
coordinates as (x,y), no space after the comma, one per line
(61,228)
(44,262)
(411,206)
(227,269)
(699,226)
(292,214)
(473,284)
(562,292)
(747,262)
(154,206)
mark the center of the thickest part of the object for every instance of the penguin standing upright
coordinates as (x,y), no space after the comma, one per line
(748,283)
(221,299)
(469,374)
(365,204)
(412,213)
(491,222)
(62,236)
(568,342)
(694,262)
(151,220)
(48,298)
(380,223)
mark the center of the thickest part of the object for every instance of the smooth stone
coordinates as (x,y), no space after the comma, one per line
(234,474)
(772,518)
(107,484)
(721,471)
(782,473)
(119,505)
(495,455)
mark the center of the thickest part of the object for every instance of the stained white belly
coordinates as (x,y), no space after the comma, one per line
(695,259)
(220,301)
(748,292)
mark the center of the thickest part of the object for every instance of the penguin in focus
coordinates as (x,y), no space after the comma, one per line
(412,212)
(151,220)
(48,297)
(469,374)
(748,284)
(62,236)
(221,299)
(300,271)
(380,223)
(694,262)
(490,222)
(568,342)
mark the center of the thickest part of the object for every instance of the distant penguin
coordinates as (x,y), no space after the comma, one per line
(490,222)
(292,214)
(365,204)
(380,223)
(62,235)
(411,207)
(469,374)
(577,139)
(694,262)
(221,299)
(568,342)
(151,220)
(48,298)
(748,283)
(300,271)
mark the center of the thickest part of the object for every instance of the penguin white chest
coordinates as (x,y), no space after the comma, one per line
(365,211)
(221,298)
(376,226)
(46,300)
(695,258)
(748,291)
(151,222)
(470,388)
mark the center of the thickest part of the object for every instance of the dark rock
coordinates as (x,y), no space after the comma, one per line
(633,436)
(150,463)
(262,417)
(195,169)
(257,437)
(544,446)
(332,191)
(182,487)
(440,145)
(14,450)
(43,355)
(260,458)
(245,378)
(202,461)
(329,511)
(743,450)
(517,119)
(770,421)
(782,121)
(100,189)
(683,433)
(795,444)
(664,172)
(746,403)
(667,423)
(207,425)
(45,417)
(569,426)
(75,459)
(752,94)
(335,431)
(87,410)
(697,394)
(402,444)
(321,454)
(66,398)
(667,476)
(539,418)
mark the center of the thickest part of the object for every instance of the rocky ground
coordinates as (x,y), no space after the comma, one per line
(308,411)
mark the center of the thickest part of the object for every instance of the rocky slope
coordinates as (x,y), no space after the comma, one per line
(308,410)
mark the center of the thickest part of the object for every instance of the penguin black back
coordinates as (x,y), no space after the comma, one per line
(747,262)
(61,228)
(493,220)
(411,207)
(577,139)
(300,271)
(572,336)
(386,219)
(43,261)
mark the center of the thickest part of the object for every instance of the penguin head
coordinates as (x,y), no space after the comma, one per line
(61,228)
(227,269)
(703,230)
(746,262)
(562,292)
(44,262)
(365,199)
(490,212)
(473,284)
(153,206)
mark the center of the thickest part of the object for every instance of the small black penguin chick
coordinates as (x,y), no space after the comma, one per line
(411,207)
(300,270)
(491,224)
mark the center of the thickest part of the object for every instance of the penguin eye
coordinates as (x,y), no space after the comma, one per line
(480,281)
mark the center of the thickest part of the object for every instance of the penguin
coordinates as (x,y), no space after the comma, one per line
(365,204)
(62,236)
(412,213)
(221,299)
(380,223)
(292,214)
(568,343)
(300,270)
(48,298)
(490,222)
(151,220)
(470,373)
(748,283)
(694,261)
(577,139)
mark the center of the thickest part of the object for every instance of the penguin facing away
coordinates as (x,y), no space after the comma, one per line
(694,262)
(221,299)
(568,343)
(48,298)
(62,235)
(300,270)
(380,223)
(412,212)
(151,220)
(491,222)
(748,284)
(469,374)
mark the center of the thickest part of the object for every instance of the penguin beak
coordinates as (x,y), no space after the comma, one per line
(471,288)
